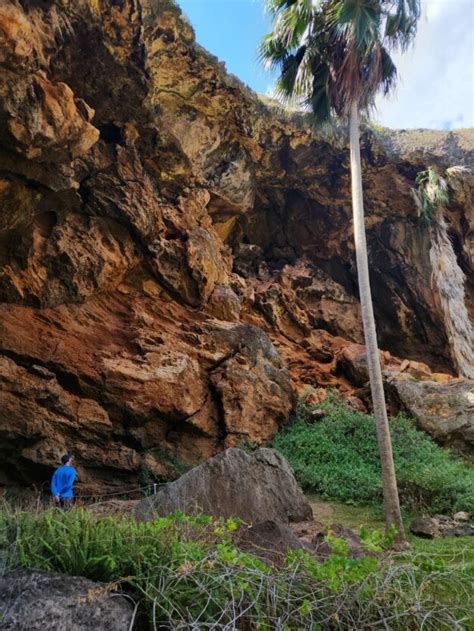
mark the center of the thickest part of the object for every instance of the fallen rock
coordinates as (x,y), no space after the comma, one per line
(425,527)
(441,526)
(444,410)
(461,516)
(34,599)
(322,548)
(316,415)
(254,487)
(461,530)
(268,540)
(306,531)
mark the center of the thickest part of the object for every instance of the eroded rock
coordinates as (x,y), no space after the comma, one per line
(268,540)
(35,600)
(442,526)
(444,410)
(425,527)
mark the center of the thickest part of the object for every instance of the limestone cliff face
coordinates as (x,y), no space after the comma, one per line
(176,258)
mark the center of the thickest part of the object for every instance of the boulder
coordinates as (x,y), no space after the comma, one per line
(461,530)
(254,487)
(34,599)
(442,526)
(444,410)
(425,527)
(267,540)
(322,548)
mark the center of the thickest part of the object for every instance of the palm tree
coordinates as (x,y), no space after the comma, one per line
(447,278)
(333,56)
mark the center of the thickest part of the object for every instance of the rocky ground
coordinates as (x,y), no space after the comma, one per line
(176,258)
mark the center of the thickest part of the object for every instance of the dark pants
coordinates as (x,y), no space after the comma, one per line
(66,503)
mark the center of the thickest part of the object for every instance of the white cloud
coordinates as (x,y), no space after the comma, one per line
(436,77)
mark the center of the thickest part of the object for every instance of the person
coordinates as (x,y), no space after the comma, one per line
(62,483)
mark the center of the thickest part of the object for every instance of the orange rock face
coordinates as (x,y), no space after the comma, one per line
(176,258)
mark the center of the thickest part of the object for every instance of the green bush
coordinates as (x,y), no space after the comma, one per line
(337,458)
(187,573)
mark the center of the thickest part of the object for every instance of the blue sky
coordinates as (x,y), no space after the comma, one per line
(436,86)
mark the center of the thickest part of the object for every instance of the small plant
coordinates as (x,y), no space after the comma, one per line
(432,192)
(248,446)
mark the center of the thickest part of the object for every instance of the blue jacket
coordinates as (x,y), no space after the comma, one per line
(62,481)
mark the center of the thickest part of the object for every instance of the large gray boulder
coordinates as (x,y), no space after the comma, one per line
(33,600)
(443,410)
(256,486)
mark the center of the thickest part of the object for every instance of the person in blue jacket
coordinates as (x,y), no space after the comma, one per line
(62,483)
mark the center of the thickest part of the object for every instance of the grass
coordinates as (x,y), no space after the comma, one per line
(188,573)
(337,458)
(458,550)
(428,555)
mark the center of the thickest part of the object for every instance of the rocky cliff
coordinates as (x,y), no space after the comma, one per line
(176,257)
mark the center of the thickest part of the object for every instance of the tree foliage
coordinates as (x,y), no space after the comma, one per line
(331,53)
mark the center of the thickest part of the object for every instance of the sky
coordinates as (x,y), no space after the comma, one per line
(436,76)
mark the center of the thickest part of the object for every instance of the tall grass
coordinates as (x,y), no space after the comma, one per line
(187,573)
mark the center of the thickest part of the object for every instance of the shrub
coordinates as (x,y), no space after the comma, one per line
(187,573)
(338,458)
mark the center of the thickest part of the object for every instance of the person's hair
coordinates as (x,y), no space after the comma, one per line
(66,458)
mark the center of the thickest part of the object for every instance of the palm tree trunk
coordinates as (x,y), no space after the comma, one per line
(390,491)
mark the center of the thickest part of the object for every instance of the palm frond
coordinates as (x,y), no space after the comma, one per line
(275,6)
(292,23)
(389,72)
(286,85)
(272,52)
(331,53)
(401,19)
(358,19)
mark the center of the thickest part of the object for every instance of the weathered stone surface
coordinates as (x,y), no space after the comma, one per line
(322,548)
(259,486)
(155,206)
(461,530)
(253,388)
(224,304)
(268,540)
(444,410)
(151,387)
(441,526)
(36,600)
(425,527)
